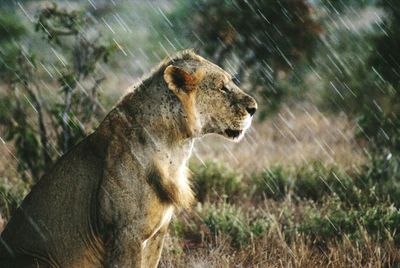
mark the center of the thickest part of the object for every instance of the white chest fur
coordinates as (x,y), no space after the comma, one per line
(174,167)
(165,219)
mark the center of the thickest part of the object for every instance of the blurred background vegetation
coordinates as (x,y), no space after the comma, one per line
(316,181)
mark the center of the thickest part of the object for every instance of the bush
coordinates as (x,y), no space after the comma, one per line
(11,31)
(189,229)
(231,221)
(381,177)
(382,129)
(274,182)
(10,199)
(378,181)
(317,181)
(334,220)
(76,80)
(314,181)
(246,44)
(213,181)
(223,220)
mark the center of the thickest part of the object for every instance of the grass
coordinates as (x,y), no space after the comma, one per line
(296,136)
(273,251)
(310,216)
(238,226)
(279,244)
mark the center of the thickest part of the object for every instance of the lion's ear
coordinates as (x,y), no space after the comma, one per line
(179,80)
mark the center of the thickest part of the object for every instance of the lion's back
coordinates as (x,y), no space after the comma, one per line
(57,220)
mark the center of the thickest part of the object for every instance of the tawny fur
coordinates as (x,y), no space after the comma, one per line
(109,200)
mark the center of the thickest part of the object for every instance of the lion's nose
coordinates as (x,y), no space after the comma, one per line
(251,110)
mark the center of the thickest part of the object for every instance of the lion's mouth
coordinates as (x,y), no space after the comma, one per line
(233,133)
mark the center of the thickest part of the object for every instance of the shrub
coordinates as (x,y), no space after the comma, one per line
(322,227)
(248,38)
(76,79)
(11,31)
(231,221)
(316,181)
(10,199)
(334,220)
(188,228)
(311,182)
(223,220)
(213,181)
(274,182)
(381,177)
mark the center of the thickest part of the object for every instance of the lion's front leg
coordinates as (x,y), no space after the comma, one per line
(122,219)
(153,248)
(124,250)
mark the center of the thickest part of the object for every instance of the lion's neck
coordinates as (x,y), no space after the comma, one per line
(172,174)
(155,139)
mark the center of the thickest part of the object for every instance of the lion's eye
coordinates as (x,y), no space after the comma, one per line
(225,89)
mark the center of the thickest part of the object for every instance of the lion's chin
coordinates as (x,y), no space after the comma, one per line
(237,134)
(234,134)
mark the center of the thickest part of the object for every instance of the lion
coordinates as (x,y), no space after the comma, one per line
(109,200)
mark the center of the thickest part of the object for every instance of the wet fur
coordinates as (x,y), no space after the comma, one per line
(109,200)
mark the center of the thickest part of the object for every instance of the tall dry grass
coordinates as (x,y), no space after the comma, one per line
(295,136)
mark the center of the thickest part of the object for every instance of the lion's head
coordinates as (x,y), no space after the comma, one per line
(212,101)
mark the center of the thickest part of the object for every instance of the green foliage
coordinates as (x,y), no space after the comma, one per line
(213,181)
(382,130)
(279,32)
(9,201)
(341,6)
(380,180)
(232,222)
(366,86)
(11,31)
(272,93)
(274,182)
(316,181)
(333,221)
(22,132)
(380,122)
(10,26)
(54,23)
(76,77)
(224,220)
(386,58)
(350,84)
(27,146)
(377,181)
(260,42)
(188,229)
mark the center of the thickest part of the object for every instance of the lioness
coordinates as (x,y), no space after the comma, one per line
(109,200)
